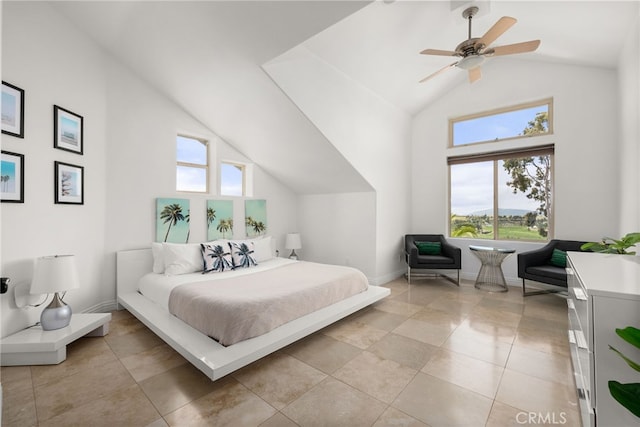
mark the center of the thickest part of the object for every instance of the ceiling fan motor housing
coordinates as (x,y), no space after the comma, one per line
(468,47)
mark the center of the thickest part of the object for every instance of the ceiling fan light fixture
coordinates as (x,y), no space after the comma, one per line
(471,61)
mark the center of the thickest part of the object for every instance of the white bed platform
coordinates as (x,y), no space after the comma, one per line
(203,352)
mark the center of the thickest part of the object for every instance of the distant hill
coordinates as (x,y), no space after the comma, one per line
(502,212)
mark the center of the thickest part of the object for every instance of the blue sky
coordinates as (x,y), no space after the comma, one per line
(9,168)
(490,128)
(473,184)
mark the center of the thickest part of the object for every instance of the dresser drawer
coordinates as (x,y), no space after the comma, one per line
(579,301)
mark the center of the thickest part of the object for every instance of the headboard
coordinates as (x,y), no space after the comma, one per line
(131,265)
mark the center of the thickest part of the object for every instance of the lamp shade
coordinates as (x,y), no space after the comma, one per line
(293,241)
(54,273)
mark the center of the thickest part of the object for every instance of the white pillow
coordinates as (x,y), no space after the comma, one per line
(181,258)
(263,248)
(158,259)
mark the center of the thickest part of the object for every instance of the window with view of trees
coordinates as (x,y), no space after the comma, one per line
(501,124)
(504,195)
(192,164)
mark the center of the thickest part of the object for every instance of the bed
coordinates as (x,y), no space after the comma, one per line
(211,357)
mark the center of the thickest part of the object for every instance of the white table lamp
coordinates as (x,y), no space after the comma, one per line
(293,242)
(53,274)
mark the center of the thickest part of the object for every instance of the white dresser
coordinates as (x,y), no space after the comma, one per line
(604,294)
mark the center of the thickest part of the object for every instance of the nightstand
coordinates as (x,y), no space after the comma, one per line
(33,346)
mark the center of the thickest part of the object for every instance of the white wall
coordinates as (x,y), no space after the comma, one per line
(339,229)
(585,136)
(129,161)
(371,134)
(629,94)
(54,64)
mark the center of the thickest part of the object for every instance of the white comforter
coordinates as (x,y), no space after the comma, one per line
(233,306)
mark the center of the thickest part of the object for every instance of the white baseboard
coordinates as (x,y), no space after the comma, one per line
(381,280)
(103,307)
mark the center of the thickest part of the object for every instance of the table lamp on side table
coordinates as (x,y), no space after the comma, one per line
(293,242)
(53,274)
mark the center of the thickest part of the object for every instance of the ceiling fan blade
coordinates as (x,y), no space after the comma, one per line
(474,74)
(496,31)
(440,71)
(510,49)
(438,52)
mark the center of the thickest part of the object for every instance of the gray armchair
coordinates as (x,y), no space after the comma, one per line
(450,257)
(534,265)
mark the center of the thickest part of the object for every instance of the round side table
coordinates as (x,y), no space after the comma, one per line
(490,277)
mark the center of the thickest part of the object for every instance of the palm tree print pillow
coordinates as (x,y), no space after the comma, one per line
(216,258)
(242,254)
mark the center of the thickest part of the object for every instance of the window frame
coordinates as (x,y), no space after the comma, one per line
(497,111)
(194,165)
(495,156)
(243,167)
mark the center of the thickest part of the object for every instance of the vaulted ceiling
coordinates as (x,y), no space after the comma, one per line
(207,55)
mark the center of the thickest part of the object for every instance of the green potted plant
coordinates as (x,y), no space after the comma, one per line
(628,395)
(613,246)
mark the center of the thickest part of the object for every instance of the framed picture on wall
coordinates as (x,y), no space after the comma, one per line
(12,177)
(172,220)
(12,110)
(255,217)
(69,184)
(67,130)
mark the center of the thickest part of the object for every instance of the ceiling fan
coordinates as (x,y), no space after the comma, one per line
(473,51)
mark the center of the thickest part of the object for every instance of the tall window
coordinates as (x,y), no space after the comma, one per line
(515,185)
(232,179)
(192,169)
(503,195)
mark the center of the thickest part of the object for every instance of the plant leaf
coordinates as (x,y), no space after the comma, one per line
(630,362)
(632,238)
(628,395)
(630,335)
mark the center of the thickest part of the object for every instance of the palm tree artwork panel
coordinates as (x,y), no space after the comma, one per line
(172,220)
(219,219)
(255,217)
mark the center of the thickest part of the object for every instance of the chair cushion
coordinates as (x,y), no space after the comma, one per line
(429,248)
(548,271)
(558,258)
(434,259)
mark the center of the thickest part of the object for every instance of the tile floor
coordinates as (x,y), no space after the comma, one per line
(430,354)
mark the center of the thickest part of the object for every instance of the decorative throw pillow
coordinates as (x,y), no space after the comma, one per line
(429,248)
(242,254)
(215,257)
(558,258)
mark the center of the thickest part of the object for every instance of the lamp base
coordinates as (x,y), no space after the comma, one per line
(293,254)
(57,315)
